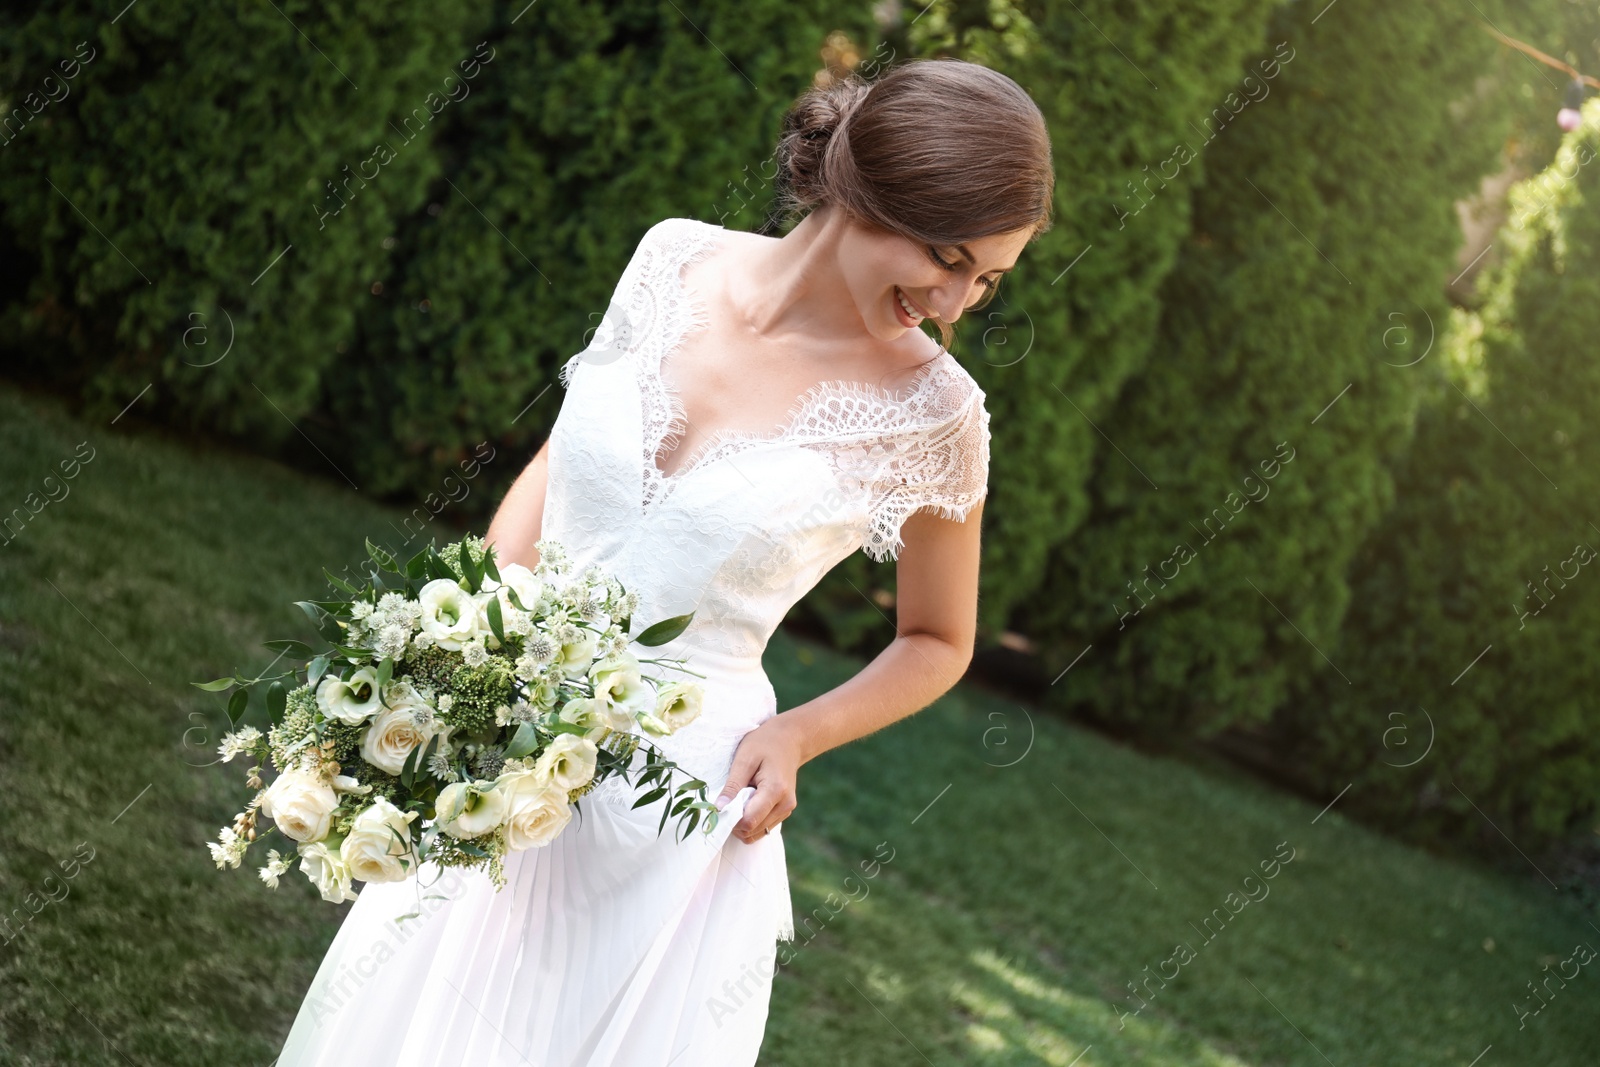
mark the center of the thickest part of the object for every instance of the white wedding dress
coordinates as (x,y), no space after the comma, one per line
(615,946)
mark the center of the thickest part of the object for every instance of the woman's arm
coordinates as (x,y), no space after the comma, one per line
(937,611)
(517,523)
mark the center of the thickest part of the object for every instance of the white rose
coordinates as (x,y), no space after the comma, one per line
(327,872)
(349,700)
(406,724)
(450,616)
(568,763)
(378,847)
(537,811)
(677,705)
(470,809)
(301,804)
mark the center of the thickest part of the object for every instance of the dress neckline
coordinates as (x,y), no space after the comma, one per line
(671,416)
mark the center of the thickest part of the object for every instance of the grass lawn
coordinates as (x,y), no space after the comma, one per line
(1029,870)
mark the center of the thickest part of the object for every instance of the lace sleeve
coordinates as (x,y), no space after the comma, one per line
(945,471)
(618,332)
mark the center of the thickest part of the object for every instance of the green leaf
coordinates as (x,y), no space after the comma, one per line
(428,751)
(496,626)
(316,669)
(437,568)
(413,763)
(340,584)
(524,741)
(516,601)
(325,623)
(470,570)
(664,631)
(380,557)
(289,647)
(650,797)
(489,567)
(277,701)
(213,687)
(417,566)
(385,672)
(237,704)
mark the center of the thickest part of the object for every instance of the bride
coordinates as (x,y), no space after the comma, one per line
(751,411)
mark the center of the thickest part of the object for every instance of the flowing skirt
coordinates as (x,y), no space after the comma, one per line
(612,946)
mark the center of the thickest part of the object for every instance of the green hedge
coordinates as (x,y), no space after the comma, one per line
(1252,454)
(401,219)
(169,205)
(1472,707)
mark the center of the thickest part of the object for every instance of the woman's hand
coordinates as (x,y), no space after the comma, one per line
(769,758)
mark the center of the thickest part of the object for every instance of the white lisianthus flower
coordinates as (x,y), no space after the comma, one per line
(577,654)
(349,700)
(617,681)
(470,809)
(301,804)
(537,811)
(544,693)
(326,871)
(677,705)
(450,616)
(378,847)
(568,763)
(518,579)
(406,723)
(596,717)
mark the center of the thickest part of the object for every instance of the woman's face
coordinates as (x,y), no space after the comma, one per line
(886,272)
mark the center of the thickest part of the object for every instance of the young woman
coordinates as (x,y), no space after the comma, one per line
(751,411)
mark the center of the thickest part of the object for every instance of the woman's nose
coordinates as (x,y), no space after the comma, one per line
(946,302)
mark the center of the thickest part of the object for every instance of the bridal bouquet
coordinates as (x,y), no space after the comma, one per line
(462,709)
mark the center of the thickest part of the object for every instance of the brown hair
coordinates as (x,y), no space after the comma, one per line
(940,151)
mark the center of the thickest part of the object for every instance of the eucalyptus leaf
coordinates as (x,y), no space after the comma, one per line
(214,687)
(664,631)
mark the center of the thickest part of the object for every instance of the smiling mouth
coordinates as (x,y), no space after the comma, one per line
(912,311)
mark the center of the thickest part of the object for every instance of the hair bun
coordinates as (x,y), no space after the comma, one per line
(808,131)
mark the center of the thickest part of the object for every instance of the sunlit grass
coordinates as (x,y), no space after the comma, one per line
(1027,870)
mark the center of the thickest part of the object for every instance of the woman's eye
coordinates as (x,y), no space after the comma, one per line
(940,259)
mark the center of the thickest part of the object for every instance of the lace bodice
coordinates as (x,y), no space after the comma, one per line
(750,522)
